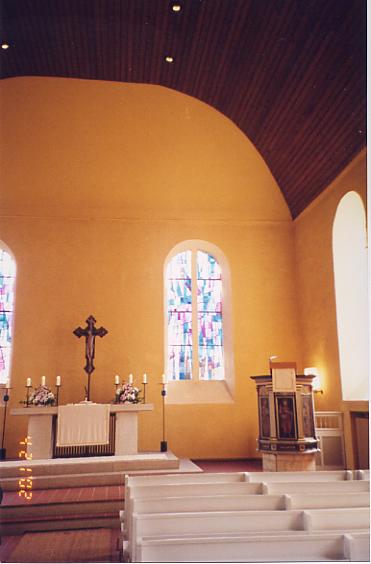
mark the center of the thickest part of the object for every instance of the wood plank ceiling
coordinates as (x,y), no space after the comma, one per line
(290,73)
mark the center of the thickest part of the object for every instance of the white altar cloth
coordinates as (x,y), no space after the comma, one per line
(83,424)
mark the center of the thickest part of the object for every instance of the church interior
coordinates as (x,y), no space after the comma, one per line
(145,143)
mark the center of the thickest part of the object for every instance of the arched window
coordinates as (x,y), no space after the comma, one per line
(7,281)
(195,291)
(350,273)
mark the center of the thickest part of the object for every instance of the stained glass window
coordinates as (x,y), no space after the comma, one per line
(194,299)
(7,279)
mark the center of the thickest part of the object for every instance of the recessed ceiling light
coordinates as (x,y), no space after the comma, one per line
(176,7)
(5,46)
(169,59)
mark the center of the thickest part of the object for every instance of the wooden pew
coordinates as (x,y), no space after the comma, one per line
(340,519)
(166,525)
(186,489)
(203,477)
(209,503)
(308,476)
(269,548)
(327,501)
(337,487)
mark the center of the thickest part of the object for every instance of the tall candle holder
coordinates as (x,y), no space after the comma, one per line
(116,396)
(57,394)
(6,399)
(144,391)
(28,387)
(163,444)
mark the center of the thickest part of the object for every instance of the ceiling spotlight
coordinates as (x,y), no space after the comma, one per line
(169,59)
(176,7)
(5,46)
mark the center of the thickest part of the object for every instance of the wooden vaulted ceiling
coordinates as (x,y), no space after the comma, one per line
(290,73)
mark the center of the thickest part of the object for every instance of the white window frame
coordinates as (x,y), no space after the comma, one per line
(4,247)
(197,390)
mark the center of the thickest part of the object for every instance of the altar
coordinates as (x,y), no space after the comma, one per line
(42,422)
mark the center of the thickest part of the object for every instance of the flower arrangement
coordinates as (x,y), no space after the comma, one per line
(41,396)
(127,393)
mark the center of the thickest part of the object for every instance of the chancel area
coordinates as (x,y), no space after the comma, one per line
(183,280)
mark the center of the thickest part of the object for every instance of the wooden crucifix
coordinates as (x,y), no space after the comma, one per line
(90,332)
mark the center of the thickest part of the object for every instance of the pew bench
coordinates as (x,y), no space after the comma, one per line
(337,487)
(268,548)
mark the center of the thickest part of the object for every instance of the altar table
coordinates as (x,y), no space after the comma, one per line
(40,428)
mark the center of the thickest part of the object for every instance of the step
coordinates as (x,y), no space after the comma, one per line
(65,522)
(92,465)
(62,508)
(68,481)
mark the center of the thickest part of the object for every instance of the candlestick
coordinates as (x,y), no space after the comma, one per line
(58,381)
(130,378)
(57,394)
(117,379)
(6,399)
(28,386)
(163,444)
(43,380)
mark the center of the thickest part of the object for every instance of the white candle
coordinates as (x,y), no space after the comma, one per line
(144,378)
(58,381)
(7,384)
(163,379)
(28,383)
(117,379)
(43,380)
(130,378)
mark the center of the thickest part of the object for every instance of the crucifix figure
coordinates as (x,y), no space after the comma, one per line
(90,332)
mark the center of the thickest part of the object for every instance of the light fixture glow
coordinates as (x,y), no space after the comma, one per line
(176,7)
(5,46)
(316,383)
(169,59)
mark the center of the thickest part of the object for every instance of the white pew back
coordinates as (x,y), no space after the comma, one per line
(327,501)
(221,477)
(211,523)
(338,487)
(209,503)
(346,519)
(309,476)
(187,489)
(270,548)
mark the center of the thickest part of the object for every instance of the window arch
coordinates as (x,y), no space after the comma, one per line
(197,295)
(7,283)
(350,275)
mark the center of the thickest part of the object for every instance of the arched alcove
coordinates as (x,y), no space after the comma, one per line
(350,274)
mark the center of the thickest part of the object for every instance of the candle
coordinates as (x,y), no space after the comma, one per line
(117,379)
(163,379)
(7,384)
(144,378)
(43,380)
(28,383)
(130,378)
(58,381)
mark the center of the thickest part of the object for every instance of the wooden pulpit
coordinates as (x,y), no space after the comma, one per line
(287,438)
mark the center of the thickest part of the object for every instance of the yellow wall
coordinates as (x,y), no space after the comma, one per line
(316,292)
(100,181)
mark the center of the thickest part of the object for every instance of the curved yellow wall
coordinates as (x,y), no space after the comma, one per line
(100,181)
(315,278)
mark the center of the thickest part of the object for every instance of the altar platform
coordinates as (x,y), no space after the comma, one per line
(91,471)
